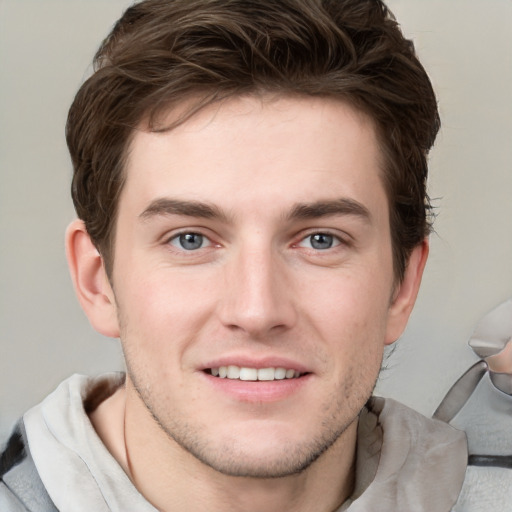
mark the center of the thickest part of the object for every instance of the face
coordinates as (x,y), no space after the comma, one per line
(254,241)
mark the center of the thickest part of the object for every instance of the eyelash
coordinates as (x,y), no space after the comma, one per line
(336,241)
(177,236)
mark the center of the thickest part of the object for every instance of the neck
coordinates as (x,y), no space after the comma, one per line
(172,479)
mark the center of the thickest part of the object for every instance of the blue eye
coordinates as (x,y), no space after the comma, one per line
(320,241)
(190,241)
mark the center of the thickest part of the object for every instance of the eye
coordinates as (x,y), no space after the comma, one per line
(320,241)
(190,241)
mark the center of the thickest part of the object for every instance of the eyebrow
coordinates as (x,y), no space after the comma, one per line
(300,211)
(168,206)
(343,206)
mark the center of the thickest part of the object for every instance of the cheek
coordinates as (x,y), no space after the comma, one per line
(350,315)
(161,311)
(350,301)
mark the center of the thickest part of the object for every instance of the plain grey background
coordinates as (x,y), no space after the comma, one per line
(46,47)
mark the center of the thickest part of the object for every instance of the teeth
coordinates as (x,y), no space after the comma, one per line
(266,373)
(248,374)
(279,373)
(233,372)
(243,373)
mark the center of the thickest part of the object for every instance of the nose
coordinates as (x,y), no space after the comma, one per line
(258,295)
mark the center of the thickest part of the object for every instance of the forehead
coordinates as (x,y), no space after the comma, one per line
(253,150)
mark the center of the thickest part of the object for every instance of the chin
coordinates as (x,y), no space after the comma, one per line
(262,454)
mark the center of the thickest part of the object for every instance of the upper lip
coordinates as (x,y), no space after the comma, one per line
(257,362)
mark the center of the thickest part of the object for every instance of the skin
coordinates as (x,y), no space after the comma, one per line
(501,362)
(273,172)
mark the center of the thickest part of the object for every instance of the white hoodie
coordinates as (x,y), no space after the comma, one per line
(405,462)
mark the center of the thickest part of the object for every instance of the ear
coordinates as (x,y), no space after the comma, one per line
(90,280)
(406,293)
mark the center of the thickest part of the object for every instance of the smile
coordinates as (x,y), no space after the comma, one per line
(253,374)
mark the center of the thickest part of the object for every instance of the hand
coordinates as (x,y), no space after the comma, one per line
(502,361)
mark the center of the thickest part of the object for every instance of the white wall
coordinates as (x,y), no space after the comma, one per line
(45,51)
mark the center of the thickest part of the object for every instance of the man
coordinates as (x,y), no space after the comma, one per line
(250,185)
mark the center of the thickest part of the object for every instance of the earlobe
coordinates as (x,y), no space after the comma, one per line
(90,280)
(406,293)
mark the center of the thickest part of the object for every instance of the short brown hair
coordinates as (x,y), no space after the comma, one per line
(162,52)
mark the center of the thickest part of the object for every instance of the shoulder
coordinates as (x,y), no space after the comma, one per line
(419,463)
(9,502)
(397,418)
(21,488)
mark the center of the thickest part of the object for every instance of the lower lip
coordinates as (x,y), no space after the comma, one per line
(257,391)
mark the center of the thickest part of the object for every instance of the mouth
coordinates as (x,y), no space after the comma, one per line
(243,373)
